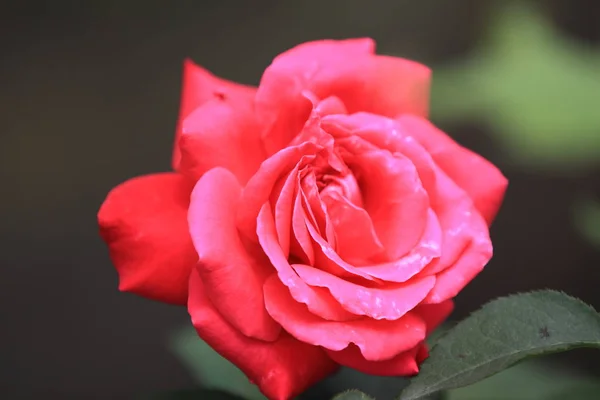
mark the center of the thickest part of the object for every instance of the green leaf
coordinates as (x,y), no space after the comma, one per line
(502,333)
(209,368)
(352,395)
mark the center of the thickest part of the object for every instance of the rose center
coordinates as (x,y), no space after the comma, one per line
(344,184)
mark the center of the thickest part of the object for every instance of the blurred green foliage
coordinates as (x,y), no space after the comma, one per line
(537,89)
(586,216)
(352,395)
(532,380)
(208,368)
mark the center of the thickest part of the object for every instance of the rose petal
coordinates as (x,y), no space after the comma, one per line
(454,278)
(422,353)
(280,101)
(403,364)
(315,208)
(346,69)
(200,86)
(427,250)
(482,181)
(261,185)
(368,132)
(327,259)
(377,340)
(284,200)
(390,302)
(434,314)
(143,221)
(318,300)
(301,245)
(282,369)
(357,241)
(222,132)
(466,242)
(463,233)
(233,273)
(392,194)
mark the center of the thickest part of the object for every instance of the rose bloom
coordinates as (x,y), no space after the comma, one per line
(315,221)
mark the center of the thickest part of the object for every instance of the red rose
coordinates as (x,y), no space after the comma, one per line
(319,219)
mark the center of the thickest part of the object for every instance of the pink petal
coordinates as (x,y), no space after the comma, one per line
(233,273)
(466,243)
(282,369)
(143,222)
(301,247)
(327,106)
(280,102)
(403,364)
(221,133)
(482,181)
(315,208)
(200,86)
(260,186)
(327,259)
(368,132)
(390,302)
(282,201)
(377,340)
(460,221)
(357,240)
(454,278)
(346,69)
(392,194)
(427,250)
(318,300)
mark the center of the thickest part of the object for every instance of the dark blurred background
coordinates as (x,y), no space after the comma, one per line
(89,96)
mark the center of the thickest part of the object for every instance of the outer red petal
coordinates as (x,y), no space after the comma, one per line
(404,364)
(281,369)
(223,132)
(144,223)
(200,86)
(347,69)
(234,274)
(482,181)
(434,314)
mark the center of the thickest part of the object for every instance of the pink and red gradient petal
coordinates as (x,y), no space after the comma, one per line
(200,86)
(282,369)
(486,187)
(232,272)
(347,69)
(376,339)
(221,134)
